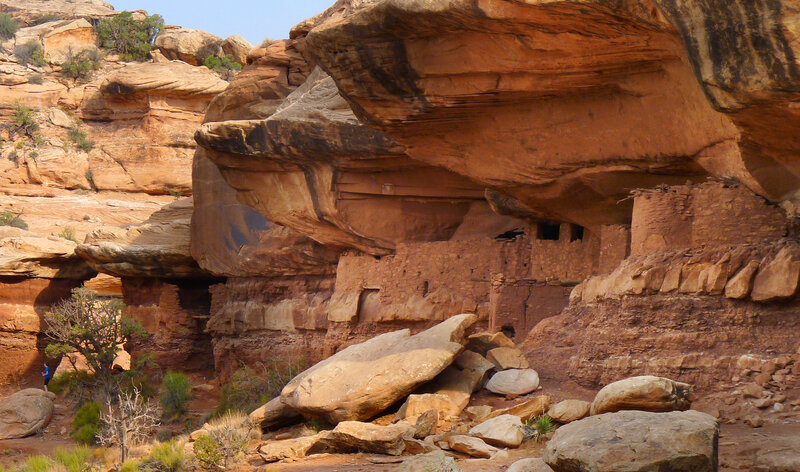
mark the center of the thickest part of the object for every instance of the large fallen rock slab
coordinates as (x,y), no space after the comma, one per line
(568,411)
(274,451)
(25,412)
(369,437)
(435,461)
(503,431)
(507,358)
(417,404)
(364,379)
(513,382)
(472,446)
(777,279)
(636,441)
(647,393)
(188,45)
(274,414)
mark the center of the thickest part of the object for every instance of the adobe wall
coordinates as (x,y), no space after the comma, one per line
(713,213)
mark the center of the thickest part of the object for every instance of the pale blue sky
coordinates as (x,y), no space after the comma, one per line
(252,19)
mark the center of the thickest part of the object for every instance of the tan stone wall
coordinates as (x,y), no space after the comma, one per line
(708,214)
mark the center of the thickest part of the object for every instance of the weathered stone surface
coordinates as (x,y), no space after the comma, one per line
(457,386)
(482,343)
(568,411)
(237,47)
(364,379)
(188,45)
(503,431)
(778,278)
(158,247)
(636,441)
(513,382)
(739,285)
(24,412)
(24,253)
(27,12)
(435,461)
(646,393)
(417,404)
(369,437)
(470,360)
(507,358)
(323,159)
(274,451)
(67,39)
(779,455)
(526,410)
(274,414)
(472,446)
(388,59)
(529,465)
(426,424)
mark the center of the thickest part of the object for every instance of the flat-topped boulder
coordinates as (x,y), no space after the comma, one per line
(25,412)
(646,393)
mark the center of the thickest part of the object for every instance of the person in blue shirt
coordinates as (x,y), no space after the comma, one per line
(47,375)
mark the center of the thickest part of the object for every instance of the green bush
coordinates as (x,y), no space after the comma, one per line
(207,452)
(80,67)
(167,457)
(68,233)
(8,26)
(79,138)
(131,39)
(30,53)
(247,390)
(77,382)
(175,392)
(86,423)
(266,42)
(37,464)
(76,460)
(222,64)
(129,466)
(23,120)
(9,219)
(36,79)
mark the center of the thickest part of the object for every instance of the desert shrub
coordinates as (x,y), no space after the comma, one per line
(75,460)
(9,219)
(23,120)
(8,26)
(208,50)
(230,432)
(80,66)
(46,18)
(86,423)
(131,39)
(129,466)
(36,79)
(222,64)
(167,457)
(79,138)
(207,452)
(247,390)
(30,53)
(175,392)
(37,464)
(68,233)
(78,384)
(266,42)
(543,425)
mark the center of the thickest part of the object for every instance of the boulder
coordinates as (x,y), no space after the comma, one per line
(526,410)
(645,393)
(274,451)
(362,380)
(417,404)
(237,47)
(457,386)
(470,360)
(435,461)
(777,279)
(370,437)
(472,446)
(513,382)
(25,412)
(636,441)
(568,411)
(478,412)
(188,45)
(529,465)
(503,431)
(507,358)
(739,285)
(426,424)
(482,343)
(274,414)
